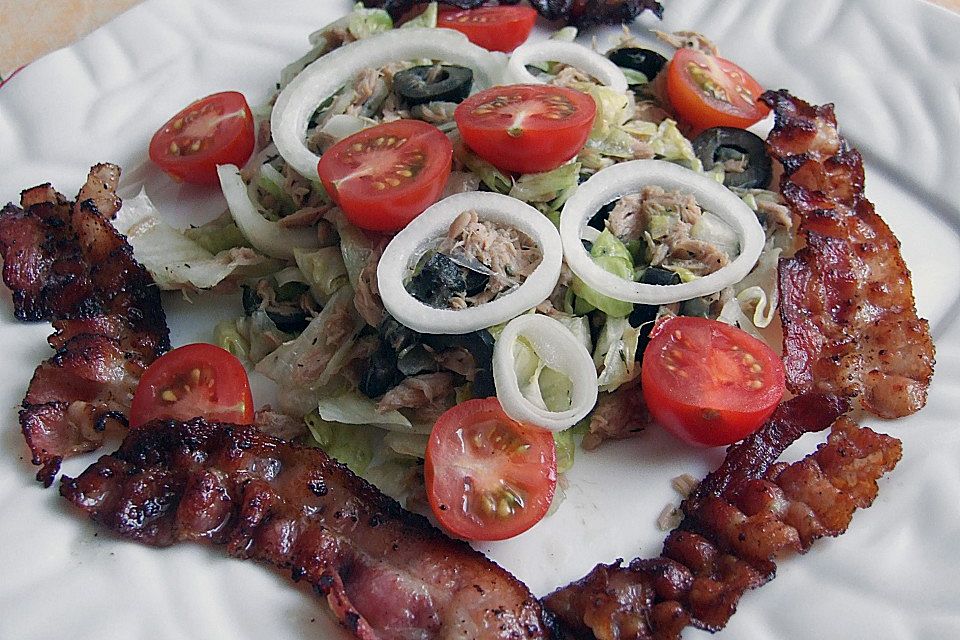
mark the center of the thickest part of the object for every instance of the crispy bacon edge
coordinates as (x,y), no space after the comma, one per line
(65,262)
(850,323)
(749,512)
(383,570)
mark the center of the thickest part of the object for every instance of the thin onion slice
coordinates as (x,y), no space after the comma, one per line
(561,351)
(321,79)
(268,237)
(408,246)
(630,177)
(571,53)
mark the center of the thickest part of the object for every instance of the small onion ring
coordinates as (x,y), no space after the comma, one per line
(630,177)
(561,351)
(407,246)
(324,77)
(266,236)
(571,53)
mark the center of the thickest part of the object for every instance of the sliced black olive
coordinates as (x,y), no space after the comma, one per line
(251,300)
(599,219)
(439,280)
(480,345)
(647,62)
(381,374)
(416,359)
(720,144)
(643,315)
(428,83)
(397,336)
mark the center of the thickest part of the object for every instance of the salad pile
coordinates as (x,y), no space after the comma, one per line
(457,263)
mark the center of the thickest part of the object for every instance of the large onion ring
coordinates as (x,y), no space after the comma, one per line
(561,351)
(324,77)
(268,237)
(408,246)
(571,53)
(630,177)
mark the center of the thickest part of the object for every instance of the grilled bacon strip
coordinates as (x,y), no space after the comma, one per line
(65,262)
(742,517)
(850,323)
(386,573)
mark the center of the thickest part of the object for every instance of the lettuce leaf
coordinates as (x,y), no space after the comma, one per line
(177,262)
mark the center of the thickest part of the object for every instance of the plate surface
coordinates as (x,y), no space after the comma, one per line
(895,79)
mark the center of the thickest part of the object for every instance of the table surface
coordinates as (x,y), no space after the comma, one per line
(31,28)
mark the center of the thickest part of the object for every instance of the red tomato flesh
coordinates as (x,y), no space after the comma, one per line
(526,128)
(709,383)
(196,380)
(215,130)
(709,91)
(488,477)
(493,28)
(385,176)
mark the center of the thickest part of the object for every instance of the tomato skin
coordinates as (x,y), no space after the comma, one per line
(223,140)
(526,128)
(494,28)
(195,380)
(709,383)
(474,451)
(359,171)
(702,110)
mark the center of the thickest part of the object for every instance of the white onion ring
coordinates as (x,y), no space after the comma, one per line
(561,351)
(268,237)
(324,77)
(405,249)
(571,53)
(630,177)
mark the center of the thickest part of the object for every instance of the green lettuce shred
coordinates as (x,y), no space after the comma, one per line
(220,234)
(228,337)
(489,175)
(349,444)
(611,255)
(426,19)
(324,270)
(547,186)
(367,22)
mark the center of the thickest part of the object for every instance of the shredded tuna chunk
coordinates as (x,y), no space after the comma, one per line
(367,294)
(620,414)
(417,392)
(509,255)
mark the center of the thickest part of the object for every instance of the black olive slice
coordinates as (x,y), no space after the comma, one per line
(599,219)
(439,280)
(381,373)
(643,315)
(429,83)
(720,144)
(647,62)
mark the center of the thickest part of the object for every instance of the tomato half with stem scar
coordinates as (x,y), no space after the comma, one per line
(385,176)
(709,383)
(488,477)
(710,91)
(494,28)
(197,380)
(215,130)
(526,128)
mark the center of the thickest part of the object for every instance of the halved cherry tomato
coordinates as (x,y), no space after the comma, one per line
(708,382)
(493,28)
(526,128)
(214,130)
(488,477)
(385,176)
(196,380)
(709,91)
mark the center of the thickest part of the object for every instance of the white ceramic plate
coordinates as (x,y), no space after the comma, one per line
(893,71)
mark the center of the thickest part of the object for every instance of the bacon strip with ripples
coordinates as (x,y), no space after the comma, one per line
(744,516)
(386,573)
(850,323)
(65,262)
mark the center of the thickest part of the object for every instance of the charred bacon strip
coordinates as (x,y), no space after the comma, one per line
(847,307)
(65,262)
(385,572)
(580,13)
(743,516)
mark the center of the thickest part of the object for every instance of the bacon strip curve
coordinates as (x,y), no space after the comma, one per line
(742,517)
(65,262)
(850,323)
(385,572)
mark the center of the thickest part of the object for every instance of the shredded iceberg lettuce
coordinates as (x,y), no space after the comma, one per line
(323,269)
(349,444)
(176,261)
(352,408)
(616,353)
(612,256)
